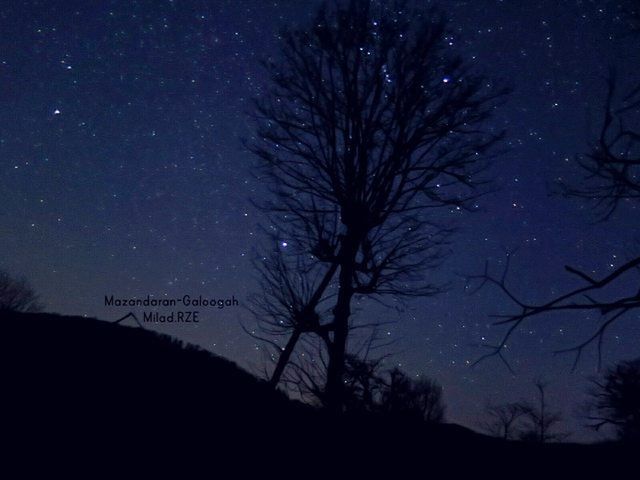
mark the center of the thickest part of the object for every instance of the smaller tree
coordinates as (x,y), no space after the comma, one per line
(429,402)
(404,397)
(289,305)
(615,401)
(503,421)
(540,422)
(392,393)
(363,384)
(16,295)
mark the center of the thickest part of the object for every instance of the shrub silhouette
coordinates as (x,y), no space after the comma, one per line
(420,399)
(17,295)
(392,393)
(616,401)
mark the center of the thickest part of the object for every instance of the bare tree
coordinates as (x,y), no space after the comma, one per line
(292,291)
(503,420)
(363,384)
(364,377)
(392,392)
(371,125)
(610,169)
(17,295)
(594,296)
(610,179)
(541,422)
(615,401)
(429,400)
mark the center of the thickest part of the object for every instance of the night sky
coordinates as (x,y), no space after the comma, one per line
(122,171)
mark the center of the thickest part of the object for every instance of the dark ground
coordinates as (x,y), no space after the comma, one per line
(90,396)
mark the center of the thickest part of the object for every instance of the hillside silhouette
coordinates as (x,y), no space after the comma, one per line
(80,389)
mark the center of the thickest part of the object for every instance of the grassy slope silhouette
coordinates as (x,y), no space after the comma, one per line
(111,388)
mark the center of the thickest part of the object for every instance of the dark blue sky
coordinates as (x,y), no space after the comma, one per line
(122,171)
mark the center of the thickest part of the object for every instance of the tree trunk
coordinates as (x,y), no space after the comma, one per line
(283,359)
(334,389)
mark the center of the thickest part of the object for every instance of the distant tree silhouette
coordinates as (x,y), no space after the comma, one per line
(503,420)
(615,401)
(404,396)
(392,392)
(363,384)
(371,125)
(610,178)
(540,422)
(17,295)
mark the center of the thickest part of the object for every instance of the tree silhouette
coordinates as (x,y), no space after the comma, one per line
(610,178)
(363,384)
(287,306)
(392,392)
(17,295)
(610,169)
(370,127)
(540,420)
(503,420)
(615,401)
(403,396)
(429,400)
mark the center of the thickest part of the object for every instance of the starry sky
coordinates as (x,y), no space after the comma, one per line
(122,172)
